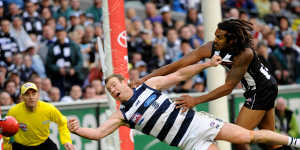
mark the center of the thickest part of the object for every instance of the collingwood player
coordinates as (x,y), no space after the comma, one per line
(146,109)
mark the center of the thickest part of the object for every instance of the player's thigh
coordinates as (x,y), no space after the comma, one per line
(213,147)
(268,121)
(234,134)
(249,118)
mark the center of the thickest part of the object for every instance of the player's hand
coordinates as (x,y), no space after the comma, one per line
(185,101)
(215,60)
(73,125)
(69,146)
(135,83)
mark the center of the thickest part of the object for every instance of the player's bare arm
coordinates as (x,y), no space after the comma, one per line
(164,82)
(114,122)
(193,57)
(236,73)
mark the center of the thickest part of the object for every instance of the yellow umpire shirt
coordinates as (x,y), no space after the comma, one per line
(34,126)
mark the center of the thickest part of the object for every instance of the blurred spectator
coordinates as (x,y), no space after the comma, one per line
(145,45)
(131,14)
(173,44)
(134,74)
(5,99)
(185,33)
(284,28)
(192,17)
(285,119)
(199,36)
(1,10)
(148,25)
(75,6)
(2,77)
(14,76)
(26,70)
(159,58)
(54,94)
(63,22)
(89,93)
(167,21)
(233,13)
(17,62)
(141,66)
(46,4)
(199,84)
(287,56)
(74,21)
(185,48)
(32,21)
(64,10)
(11,88)
(46,85)
(64,62)
(158,36)
(100,91)
(8,44)
(272,42)
(151,13)
(17,31)
(95,72)
(96,10)
(75,94)
(13,10)
(272,18)
(46,14)
(48,39)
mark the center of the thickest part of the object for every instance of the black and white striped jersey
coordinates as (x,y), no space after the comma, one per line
(153,113)
(8,46)
(257,76)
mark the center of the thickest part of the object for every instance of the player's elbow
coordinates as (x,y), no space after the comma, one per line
(229,86)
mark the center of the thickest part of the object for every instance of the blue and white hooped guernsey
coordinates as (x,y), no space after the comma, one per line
(153,113)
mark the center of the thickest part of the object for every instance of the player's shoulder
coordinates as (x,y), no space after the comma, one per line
(46,104)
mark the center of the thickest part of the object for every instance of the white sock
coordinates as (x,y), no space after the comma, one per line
(294,142)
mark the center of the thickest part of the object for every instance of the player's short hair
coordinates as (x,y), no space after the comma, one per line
(118,76)
(239,32)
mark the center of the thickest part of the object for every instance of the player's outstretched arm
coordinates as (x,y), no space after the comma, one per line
(164,82)
(192,58)
(108,127)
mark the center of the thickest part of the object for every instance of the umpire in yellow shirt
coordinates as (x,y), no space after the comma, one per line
(34,117)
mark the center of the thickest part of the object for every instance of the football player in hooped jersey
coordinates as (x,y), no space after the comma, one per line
(146,109)
(233,42)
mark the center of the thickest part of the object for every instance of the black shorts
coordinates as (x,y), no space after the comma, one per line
(264,99)
(47,145)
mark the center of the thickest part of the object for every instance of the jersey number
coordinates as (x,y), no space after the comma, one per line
(265,72)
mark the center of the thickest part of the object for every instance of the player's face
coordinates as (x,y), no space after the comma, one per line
(31,98)
(115,88)
(220,41)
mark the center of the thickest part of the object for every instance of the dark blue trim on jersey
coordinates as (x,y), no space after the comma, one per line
(168,125)
(136,94)
(183,128)
(150,124)
(151,88)
(141,110)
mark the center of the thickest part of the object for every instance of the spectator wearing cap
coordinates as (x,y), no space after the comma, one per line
(167,21)
(8,44)
(64,10)
(33,114)
(17,31)
(64,62)
(32,21)
(96,10)
(151,13)
(89,19)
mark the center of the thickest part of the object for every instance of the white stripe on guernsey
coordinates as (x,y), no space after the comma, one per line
(151,110)
(177,124)
(143,96)
(162,120)
(250,81)
(138,87)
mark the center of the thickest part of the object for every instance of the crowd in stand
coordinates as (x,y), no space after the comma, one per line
(52,43)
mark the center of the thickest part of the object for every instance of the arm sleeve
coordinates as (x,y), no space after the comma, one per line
(61,121)
(293,127)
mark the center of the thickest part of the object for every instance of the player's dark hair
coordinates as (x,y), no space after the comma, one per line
(239,32)
(118,76)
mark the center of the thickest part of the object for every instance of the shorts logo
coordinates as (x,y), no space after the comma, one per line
(149,100)
(23,126)
(213,124)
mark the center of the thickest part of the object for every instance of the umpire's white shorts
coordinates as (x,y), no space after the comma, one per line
(202,132)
